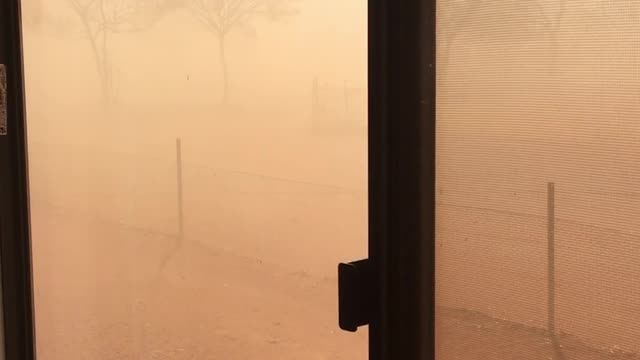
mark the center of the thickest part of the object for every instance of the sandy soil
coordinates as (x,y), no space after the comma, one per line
(254,276)
(495,262)
(468,335)
(108,299)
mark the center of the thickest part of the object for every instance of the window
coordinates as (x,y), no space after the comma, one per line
(197,171)
(537,172)
(501,177)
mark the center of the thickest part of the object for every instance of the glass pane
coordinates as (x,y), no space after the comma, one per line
(198,169)
(537,183)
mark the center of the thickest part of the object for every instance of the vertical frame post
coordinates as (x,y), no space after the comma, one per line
(402,89)
(15,242)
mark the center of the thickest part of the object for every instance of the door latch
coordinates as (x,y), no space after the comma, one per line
(355,294)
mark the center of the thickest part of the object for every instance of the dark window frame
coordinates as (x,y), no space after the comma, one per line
(402,137)
(15,242)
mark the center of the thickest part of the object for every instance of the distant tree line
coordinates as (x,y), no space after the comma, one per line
(100,20)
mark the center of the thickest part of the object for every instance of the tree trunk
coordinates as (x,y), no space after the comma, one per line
(106,71)
(225,73)
(95,51)
(555,29)
(107,74)
(101,61)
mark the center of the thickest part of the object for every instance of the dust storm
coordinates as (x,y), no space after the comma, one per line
(532,93)
(198,168)
(226,246)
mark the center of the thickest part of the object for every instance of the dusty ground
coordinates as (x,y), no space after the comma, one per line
(494,262)
(270,210)
(210,303)
(206,304)
(463,334)
(251,280)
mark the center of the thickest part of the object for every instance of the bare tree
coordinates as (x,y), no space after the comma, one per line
(452,17)
(102,18)
(457,15)
(221,17)
(552,13)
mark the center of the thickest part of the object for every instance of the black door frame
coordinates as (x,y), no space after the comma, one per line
(401,183)
(15,243)
(402,135)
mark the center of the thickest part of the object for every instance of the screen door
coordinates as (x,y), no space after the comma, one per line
(537,179)
(197,170)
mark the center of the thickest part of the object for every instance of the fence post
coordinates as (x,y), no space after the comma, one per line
(346,98)
(179,189)
(314,97)
(551,258)
(179,203)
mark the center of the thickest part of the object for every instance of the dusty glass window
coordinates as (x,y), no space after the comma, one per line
(198,169)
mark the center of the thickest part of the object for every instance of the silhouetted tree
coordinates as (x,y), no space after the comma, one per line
(459,16)
(552,13)
(102,18)
(452,18)
(221,17)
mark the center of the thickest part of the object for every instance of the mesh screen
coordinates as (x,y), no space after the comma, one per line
(533,96)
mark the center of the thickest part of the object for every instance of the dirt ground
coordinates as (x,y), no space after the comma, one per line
(209,303)
(250,280)
(464,334)
(206,304)
(271,209)
(495,263)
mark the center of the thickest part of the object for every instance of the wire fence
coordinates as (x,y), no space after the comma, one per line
(492,247)
(338,108)
(262,214)
(506,254)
